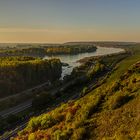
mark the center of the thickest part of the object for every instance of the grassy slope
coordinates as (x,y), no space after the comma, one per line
(109,112)
(123,65)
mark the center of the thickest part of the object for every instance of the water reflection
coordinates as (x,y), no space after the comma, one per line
(72,59)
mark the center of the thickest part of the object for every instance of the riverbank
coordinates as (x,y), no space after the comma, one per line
(73,60)
(86,59)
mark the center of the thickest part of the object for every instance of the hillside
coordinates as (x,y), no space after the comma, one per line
(20,73)
(43,50)
(109,112)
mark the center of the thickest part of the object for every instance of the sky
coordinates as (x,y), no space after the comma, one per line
(58,21)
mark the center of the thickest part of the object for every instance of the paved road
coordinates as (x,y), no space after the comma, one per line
(14,132)
(27,104)
(16,109)
(23,125)
(22,106)
(25,91)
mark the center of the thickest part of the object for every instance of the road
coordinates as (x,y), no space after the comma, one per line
(23,125)
(16,109)
(28,104)
(14,132)
(22,106)
(25,91)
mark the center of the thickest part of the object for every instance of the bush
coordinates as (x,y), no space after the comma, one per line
(78,134)
(123,137)
(84,91)
(95,70)
(59,135)
(42,101)
(20,73)
(31,137)
(69,117)
(118,100)
(115,87)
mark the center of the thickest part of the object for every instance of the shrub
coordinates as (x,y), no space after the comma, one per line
(118,100)
(33,124)
(69,117)
(115,87)
(84,91)
(31,137)
(20,73)
(42,101)
(78,134)
(95,70)
(59,135)
(123,137)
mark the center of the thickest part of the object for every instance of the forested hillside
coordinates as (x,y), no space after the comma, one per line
(109,112)
(47,50)
(20,73)
(66,49)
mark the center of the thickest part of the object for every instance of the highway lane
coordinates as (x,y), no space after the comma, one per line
(70,97)
(23,125)
(25,105)
(14,132)
(25,91)
(21,107)
(16,109)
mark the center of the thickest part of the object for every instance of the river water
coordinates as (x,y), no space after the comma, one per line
(72,59)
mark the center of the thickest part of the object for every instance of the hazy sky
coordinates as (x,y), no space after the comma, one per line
(69,20)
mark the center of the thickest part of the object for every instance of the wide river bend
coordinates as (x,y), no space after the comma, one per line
(72,59)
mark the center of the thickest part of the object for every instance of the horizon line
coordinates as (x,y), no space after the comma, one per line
(107,41)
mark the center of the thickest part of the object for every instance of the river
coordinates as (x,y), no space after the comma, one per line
(72,59)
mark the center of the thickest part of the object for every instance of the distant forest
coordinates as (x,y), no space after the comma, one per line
(20,73)
(46,50)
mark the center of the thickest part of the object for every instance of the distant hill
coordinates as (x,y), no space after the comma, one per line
(101,42)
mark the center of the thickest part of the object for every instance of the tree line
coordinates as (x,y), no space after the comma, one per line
(48,50)
(20,73)
(70,49)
